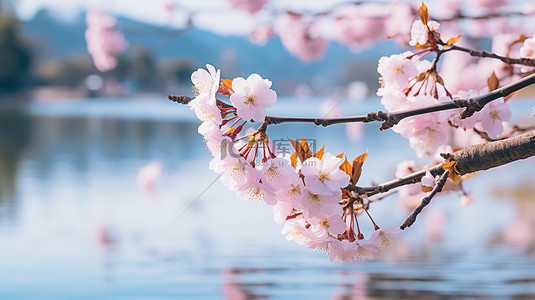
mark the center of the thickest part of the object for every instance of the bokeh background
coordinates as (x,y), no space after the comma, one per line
(77,221)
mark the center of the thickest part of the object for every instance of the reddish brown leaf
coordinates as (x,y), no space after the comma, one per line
(346,167)
(454,40)
(307,152)
(520,40)
(493,82)
(227,83)
(340,155)
(423,13)
(357,167)
(320,153)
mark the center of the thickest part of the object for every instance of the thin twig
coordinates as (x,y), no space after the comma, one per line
(481,53)
(425,201)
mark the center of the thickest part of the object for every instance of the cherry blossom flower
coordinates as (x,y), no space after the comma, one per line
(258,192)
(365,250)
(252,96)
(296,230)
(528,48)
(261,35)
(281,211)
(324,176)
(330,224)
(492,117)
(148,175)
(315,205)
(292,192)
(428,181)
(419,32)
(206,82)
(356,29)
(297,38)
(252,6)
(466,199)
(384,237)
(276,172)
(396,69)
(399,21)
(237,173)
(104,43)
(343,251)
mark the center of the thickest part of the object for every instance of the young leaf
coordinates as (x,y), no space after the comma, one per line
(340,155)
(320,153)
(346,167)
(357,167)
(307,152)
(227,83)
(423,13)
(454,177)
(293,160)
(454,40)
(493,82)
(426,189)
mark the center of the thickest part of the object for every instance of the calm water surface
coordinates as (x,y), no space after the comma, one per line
(74,224)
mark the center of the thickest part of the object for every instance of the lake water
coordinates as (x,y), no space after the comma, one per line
(74,224)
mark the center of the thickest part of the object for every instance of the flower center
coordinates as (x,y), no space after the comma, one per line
(315,197)
(494,115)
(250,100)
(324,223)
(399,70)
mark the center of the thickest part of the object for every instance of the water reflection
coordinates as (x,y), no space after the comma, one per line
(71,212)
(15,130)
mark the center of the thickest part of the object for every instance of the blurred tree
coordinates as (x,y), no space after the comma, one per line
(15,57)
(143,68)
(179,70)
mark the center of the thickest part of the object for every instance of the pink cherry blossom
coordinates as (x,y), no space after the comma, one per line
(324,176)
(104,43)
(252,96)
(206,82)
(292,192)
(428,180)
(258,192)
(330,224)
(396,70)
(206,109)
(419,31)
(237,173)
(296,230)
(357,30)
(528,48)
(315,205)
(467,199)
(385,237)
(399,21)
(148,175)
(343,251)
(297,38)
(252,6)
(276,172)
(492,117)
(281,211)
(365,250)
(260,35)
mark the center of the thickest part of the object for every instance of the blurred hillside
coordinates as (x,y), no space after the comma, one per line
(160,59)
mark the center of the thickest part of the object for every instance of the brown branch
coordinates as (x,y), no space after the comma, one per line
(472,105)
(390,119)
(481,53)
(471,159)
(425,201)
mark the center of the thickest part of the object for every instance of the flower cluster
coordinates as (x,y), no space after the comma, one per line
(104,43)
(307,190)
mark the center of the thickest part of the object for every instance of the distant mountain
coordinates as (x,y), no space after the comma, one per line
(235,55)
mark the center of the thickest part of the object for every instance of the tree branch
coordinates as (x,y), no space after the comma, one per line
(425,201)
(471,159)
(508,60)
